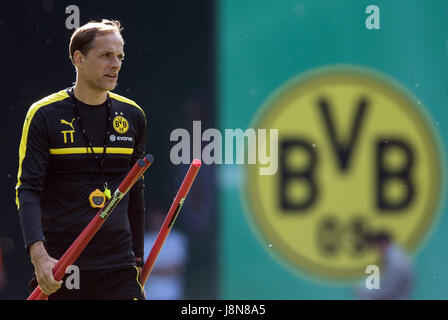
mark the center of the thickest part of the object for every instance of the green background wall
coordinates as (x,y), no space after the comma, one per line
(261,44)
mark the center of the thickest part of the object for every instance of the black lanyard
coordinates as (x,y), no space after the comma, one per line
(99,160)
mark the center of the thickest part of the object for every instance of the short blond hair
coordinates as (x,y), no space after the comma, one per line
(82,38)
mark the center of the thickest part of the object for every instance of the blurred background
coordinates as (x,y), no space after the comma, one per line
(358,94)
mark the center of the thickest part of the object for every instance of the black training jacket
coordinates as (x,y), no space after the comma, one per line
(57,172)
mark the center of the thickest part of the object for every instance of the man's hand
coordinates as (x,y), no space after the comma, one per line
(43,266)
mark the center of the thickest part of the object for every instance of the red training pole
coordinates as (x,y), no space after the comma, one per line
(169,219)
(73,252)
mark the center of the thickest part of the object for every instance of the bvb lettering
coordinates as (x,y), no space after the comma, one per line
(356,156)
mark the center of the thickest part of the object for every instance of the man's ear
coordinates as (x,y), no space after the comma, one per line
(78,59)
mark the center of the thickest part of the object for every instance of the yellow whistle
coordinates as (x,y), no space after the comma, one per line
(107,193)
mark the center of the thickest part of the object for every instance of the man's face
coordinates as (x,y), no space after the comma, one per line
(99,68)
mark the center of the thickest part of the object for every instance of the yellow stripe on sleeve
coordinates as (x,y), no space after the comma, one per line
(126,100)
(61,95)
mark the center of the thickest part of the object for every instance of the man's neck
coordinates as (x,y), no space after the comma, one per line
(88,95)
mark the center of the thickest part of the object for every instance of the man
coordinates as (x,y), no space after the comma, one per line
(77,145)
(396,272)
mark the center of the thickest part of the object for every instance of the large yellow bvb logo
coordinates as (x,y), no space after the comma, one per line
(120,124)
(357,155)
